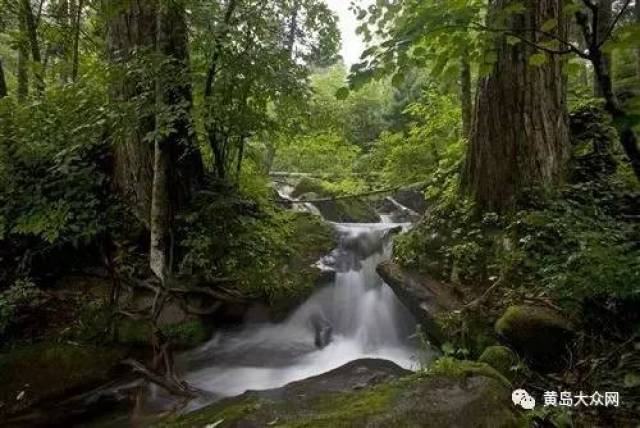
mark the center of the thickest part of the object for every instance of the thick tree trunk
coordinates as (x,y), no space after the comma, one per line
(131,32)
(3,82)
(465,94)
(603,22)
(519,137)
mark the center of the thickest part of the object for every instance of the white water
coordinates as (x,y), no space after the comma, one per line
(366,319)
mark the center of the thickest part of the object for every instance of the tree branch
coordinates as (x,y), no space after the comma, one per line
(614,23)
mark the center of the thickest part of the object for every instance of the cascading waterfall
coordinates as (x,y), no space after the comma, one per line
(356,316)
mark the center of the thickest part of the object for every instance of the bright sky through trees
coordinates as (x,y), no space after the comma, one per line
(352,44)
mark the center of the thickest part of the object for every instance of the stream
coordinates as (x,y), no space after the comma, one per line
(355,316)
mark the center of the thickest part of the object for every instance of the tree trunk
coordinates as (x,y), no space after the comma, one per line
(636,12)
(3,82)
(603,22)
(161,215)
(293,29)
(76,41)
(32,34)
(519,136)
(23,63)
(465,94)
(132,30)
(622,120)
(602,71)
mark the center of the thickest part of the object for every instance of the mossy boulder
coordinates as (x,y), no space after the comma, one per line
(366,393)
(540,334)
(296,273)
(47,371)
(351,210)
(500,358)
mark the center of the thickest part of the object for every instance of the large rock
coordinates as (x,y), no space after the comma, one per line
(366,393)
(540,334)
(500,358)
(425,297)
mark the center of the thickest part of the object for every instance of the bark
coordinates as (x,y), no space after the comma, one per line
(3,82)
(519,136)
(131,32)
(636,13)
(293,29)
(23,60)
(602,22)
(32,34)
(76,41)
(465,94)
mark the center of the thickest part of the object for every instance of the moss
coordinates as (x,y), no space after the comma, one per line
(309,185)
(538,333)
(295,275)
(530,317)
(448,366)
(324,410)
(50,370)
(500,358)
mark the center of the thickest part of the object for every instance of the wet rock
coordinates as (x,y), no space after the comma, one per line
(425,297)
(412,198)
(540,334)
(500,358)
(366,393)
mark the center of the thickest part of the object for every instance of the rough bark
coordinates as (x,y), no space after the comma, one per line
(602,23)
(465,94)
(131,32)
(3,82)
(519,136)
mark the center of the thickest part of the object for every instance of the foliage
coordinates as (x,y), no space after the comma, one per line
(319,153)
(266,253)
(21,296)
(430,142)
(53,177)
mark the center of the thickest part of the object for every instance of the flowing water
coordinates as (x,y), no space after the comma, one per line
(355,316)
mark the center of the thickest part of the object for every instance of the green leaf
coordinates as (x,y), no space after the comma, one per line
(342,93)
(549,25)
(537,60)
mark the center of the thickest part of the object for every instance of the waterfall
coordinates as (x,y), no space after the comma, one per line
(355,316)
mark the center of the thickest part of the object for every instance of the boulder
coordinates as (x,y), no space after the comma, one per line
(366,393)
(540,334)
(425,297)
(500,358)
